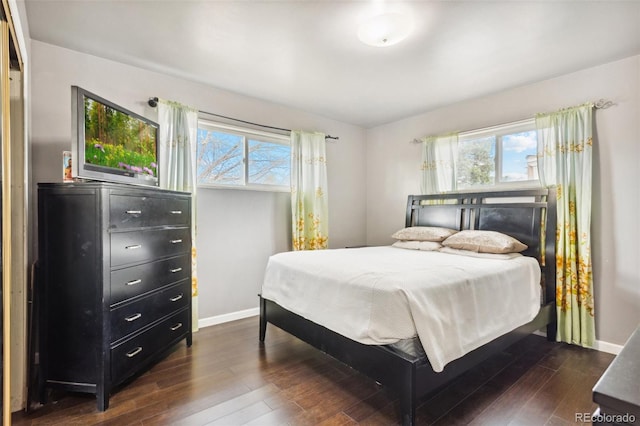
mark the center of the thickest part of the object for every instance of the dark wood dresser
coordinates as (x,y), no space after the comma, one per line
(617,392)
(113,286)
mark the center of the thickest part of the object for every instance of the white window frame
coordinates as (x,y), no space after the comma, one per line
(246,134)
(500,131)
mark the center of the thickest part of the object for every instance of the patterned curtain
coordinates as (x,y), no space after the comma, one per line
(439,155)
(309,206)
(564,160)
(178,143)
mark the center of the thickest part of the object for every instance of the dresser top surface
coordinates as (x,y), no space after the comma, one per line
(95,185)
(619,386)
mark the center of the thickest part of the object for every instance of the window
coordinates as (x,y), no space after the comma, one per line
(242,158)
(498,156)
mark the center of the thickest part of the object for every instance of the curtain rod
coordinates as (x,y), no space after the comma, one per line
(153,102)
(599,104)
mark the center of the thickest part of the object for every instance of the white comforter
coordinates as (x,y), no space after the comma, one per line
(379,295)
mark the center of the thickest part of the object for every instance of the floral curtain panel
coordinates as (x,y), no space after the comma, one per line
(565,160)
(309,206)
(439,155)
(178,143)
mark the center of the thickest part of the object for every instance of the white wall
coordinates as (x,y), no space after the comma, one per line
(237,230)
(393,172)
(255,230)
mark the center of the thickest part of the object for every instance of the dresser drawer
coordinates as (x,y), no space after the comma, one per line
(139,246)
(133,316)
(137,280)
(127,356)
(129,211)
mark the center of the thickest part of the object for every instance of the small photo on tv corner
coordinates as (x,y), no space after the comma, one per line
(67,176)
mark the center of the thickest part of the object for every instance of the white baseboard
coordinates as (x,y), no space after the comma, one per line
(220,319)
(607,347)
(599,345)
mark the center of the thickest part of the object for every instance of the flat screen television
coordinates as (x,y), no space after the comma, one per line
(111,143)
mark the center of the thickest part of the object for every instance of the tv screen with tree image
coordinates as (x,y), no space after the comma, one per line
(112,143)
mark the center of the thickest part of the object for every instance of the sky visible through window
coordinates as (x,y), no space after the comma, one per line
(220,157)
(269,163)
(517,150)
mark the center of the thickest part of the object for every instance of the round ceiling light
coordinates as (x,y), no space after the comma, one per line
(385,30)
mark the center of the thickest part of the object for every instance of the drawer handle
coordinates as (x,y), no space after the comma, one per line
(134,352)
(133,317)
(134,282)
(134,211)
(178,241)
(176,298)
(134,247)
(174,270)
(177,326)
(176,212)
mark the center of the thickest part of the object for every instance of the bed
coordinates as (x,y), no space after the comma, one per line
(527,215)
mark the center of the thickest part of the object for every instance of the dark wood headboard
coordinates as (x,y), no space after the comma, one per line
(528,215)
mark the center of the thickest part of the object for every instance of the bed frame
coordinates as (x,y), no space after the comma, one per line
(522,214)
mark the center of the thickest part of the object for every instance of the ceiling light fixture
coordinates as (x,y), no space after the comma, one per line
(385,30)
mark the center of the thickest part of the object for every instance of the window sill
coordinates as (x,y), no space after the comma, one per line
(260,188)
(502,186)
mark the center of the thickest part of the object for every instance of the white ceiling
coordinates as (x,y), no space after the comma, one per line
(305,54)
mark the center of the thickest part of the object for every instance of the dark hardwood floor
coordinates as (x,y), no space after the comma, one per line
(226,378)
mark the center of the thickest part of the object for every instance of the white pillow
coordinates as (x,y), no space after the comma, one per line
(484,242)
(418,245)
(423,233)
(500,256)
